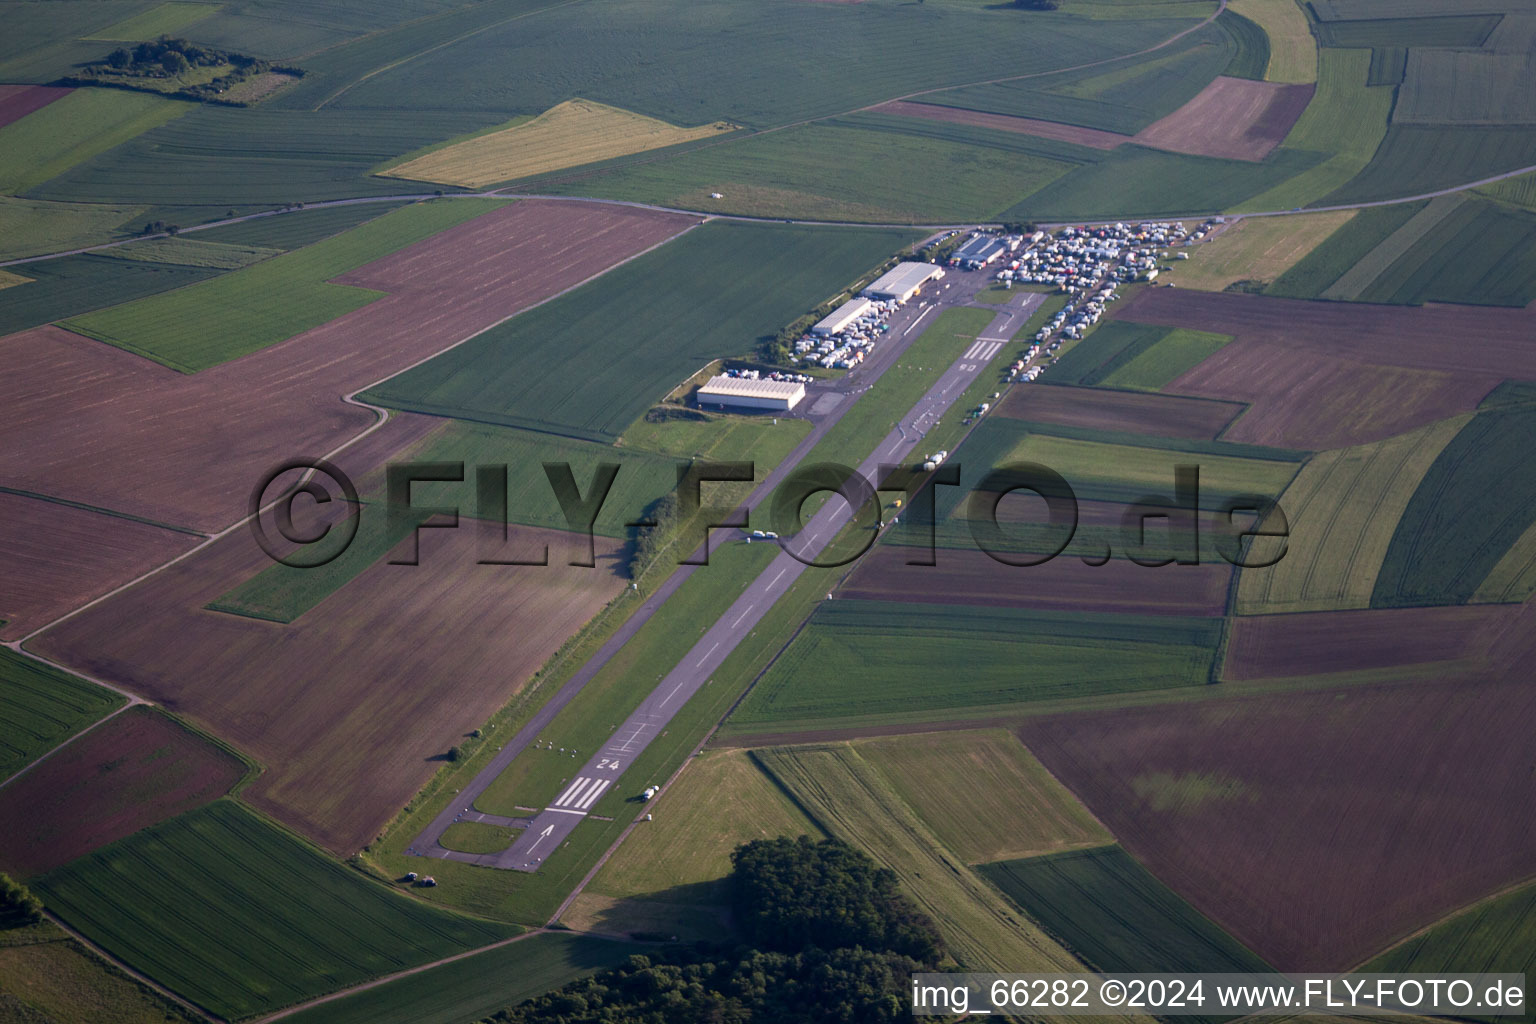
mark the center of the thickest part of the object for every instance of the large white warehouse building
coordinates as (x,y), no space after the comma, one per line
(902,281)
(738,393)
(837,320)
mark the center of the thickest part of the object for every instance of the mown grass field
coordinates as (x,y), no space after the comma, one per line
(47,976)
(721,438)
(1292,50)
(1342,510)
(722,800)
(477,837)
(983,795)
(238,917)
(847,796)
(569,134)
(163,19)
(874,661)
(1165,360)
(1116,916)
(847,169)
(186,252)
(74,129)
(591,362)
(1315,272)
(1346,120)
(30,227)
(477,986)
(42,707)
(1496,936)
(1256,249)
(192,329)
(1474,504)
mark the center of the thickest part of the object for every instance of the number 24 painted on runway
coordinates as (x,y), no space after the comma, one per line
(608,762)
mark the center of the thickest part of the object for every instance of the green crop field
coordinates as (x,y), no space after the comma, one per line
(475,987)
(1012,807)
(296,228)
(235,915)
(76,284)
(591,362)
(1496,936)
(1388,65)
(1415,159)
(1465,86)
(1481,253)
(1134,181)
(721,801)
(30,227)
(874,661)
(1115,915)
(40,707)
(1124,97)
(169,18)
(1514,577)
(194,328)
(1342,509)
(1319,269)
(1251,56)
(1474,504)
(1104,471)
(1346,121)
(845,56)
(1167,358)
(1104,350)
(74,129)
(1518,191)
(847,169)
(1452,30)
(216,155)
(1374,265)
(848,797)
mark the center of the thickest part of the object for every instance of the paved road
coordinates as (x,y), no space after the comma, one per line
(604,770)
(957,288)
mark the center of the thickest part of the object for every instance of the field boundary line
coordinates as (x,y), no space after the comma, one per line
(130,703)
(1451,915)
(385,979)
(142,979)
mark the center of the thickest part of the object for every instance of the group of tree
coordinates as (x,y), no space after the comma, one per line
(17,904)
(826,937)
(1037,5)
(172,57)
(652,532)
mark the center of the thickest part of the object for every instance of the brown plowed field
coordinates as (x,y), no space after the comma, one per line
(128,773)
(1327,374)
(92,423)
(1092,137)
(351,706)
(1131,411)
(1265,646)
(1317,827)
(54,558)
(966,576)
(17,101)
(1236,118)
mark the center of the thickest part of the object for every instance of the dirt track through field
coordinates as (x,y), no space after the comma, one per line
(94,424)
